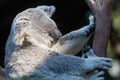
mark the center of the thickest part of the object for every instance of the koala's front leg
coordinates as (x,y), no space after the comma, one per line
(73,65)
(74,41)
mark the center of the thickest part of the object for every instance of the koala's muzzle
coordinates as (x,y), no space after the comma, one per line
(55,35)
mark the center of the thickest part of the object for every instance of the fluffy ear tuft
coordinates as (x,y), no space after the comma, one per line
(19,38)
(49,10)
(20,29)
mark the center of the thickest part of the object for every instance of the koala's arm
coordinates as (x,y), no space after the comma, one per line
(75,65)
(74,41)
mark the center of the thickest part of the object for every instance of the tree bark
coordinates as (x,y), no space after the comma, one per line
(102,9)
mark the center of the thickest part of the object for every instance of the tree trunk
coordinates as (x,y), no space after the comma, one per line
(102,9)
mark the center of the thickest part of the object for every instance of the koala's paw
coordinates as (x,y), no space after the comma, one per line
(102,63)
(89,54)
(91,18)
(95,75)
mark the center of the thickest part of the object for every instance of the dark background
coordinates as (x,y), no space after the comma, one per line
(68,16)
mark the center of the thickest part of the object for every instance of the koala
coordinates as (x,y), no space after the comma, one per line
(36,49)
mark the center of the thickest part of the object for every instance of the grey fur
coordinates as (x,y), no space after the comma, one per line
(31,51)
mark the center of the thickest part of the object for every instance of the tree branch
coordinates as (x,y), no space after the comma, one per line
(102,9)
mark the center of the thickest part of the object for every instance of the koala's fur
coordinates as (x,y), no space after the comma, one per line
(36,49)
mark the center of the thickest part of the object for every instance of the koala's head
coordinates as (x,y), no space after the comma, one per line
(35,26)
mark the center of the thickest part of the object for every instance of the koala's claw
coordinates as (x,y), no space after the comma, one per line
(104,63)
(91,53)
(91,19)
(106,59)
(99,73)
(107,66)
(86,48)
(99,62)
(96,75)
(100,78)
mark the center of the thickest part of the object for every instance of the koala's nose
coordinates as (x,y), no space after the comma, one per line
(55,35)
(58,34)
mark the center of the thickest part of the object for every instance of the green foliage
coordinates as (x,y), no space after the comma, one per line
(116,16)
(24,78)
(116,25)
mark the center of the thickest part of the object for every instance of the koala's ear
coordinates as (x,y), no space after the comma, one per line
(49,10)
(20,30)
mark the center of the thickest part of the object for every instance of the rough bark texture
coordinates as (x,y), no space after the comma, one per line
(102,10)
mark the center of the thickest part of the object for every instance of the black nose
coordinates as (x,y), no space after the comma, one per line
(55,36)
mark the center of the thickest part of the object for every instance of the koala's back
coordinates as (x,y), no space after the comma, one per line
(29,61)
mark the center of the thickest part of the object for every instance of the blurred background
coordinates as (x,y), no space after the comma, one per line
(69,15)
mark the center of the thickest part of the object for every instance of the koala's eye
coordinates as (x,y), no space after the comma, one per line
(45,32)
